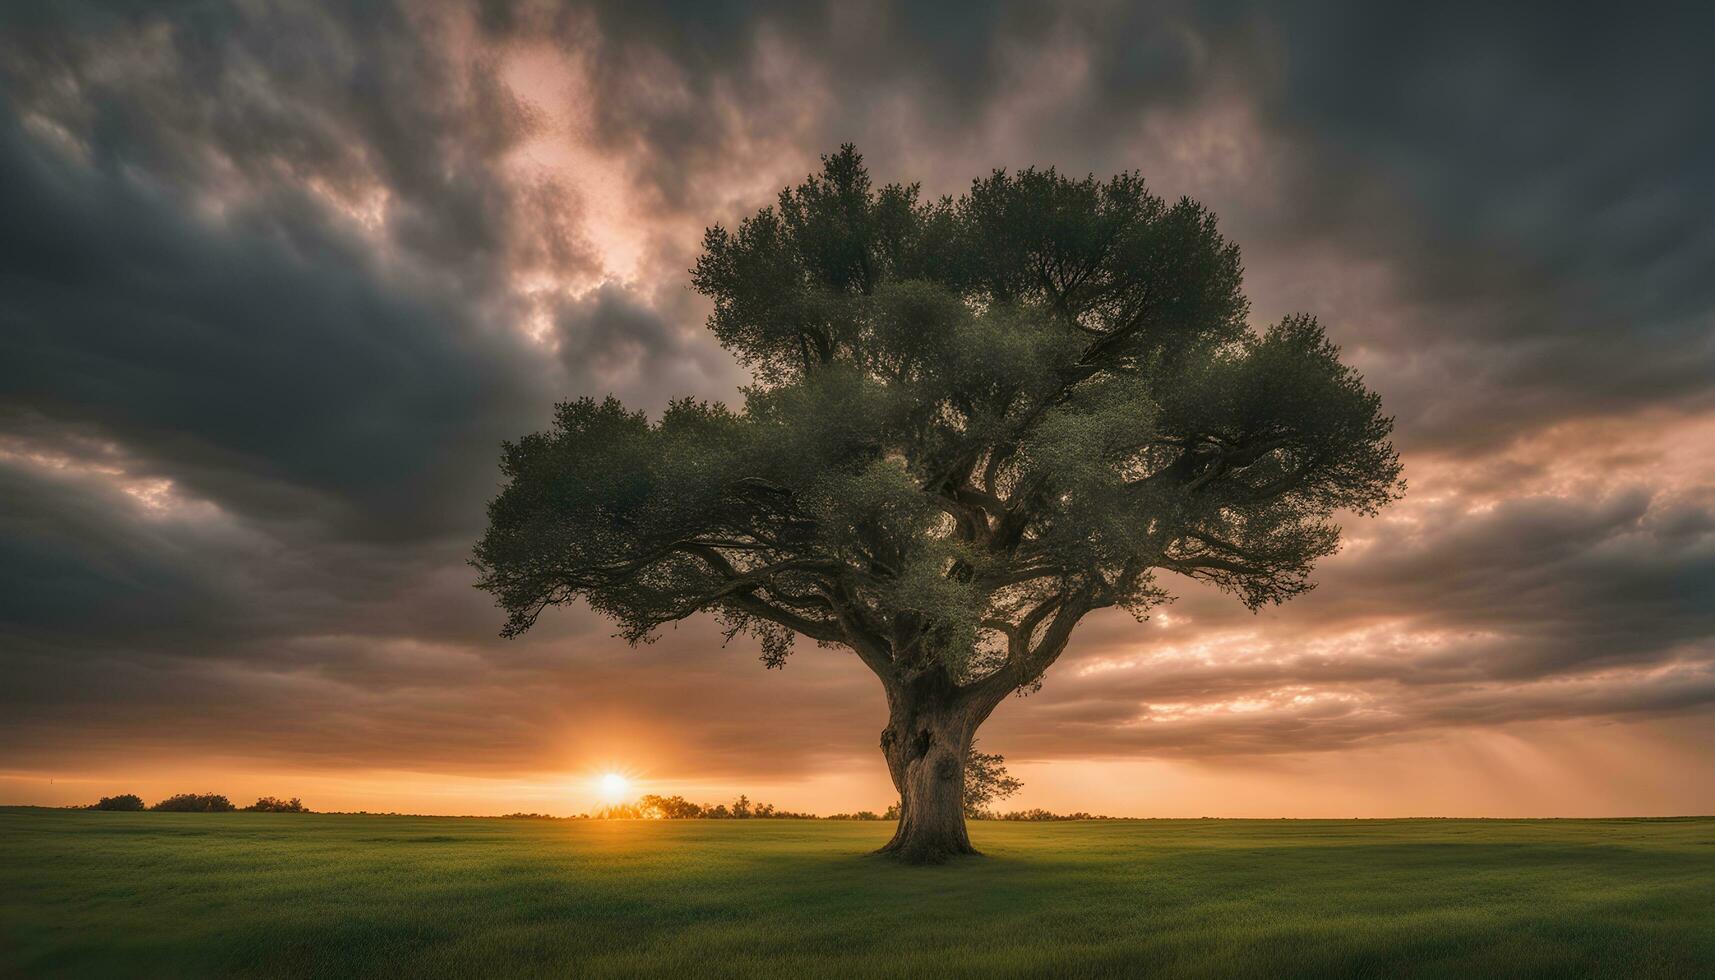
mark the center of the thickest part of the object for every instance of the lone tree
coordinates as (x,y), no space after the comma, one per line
(973,423)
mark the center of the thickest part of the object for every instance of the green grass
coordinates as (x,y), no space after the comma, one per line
(175,895)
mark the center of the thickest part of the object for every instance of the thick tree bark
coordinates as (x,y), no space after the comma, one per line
(932,720)
(928,735)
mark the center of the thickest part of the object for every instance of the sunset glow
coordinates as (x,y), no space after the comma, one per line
(614,787)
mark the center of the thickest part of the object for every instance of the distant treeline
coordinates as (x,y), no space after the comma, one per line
(199,803)
(971,813)
(653,807)
(1041,814)
(892,813)
(648,807)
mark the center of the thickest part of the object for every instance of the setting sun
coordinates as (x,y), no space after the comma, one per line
(614,787)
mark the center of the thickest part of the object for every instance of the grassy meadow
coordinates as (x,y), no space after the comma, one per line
(256,894)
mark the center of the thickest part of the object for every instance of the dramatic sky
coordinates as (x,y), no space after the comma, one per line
(276,280)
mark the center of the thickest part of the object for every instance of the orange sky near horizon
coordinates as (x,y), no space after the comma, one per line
(1561,770)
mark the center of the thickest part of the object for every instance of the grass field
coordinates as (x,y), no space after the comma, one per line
(174,895)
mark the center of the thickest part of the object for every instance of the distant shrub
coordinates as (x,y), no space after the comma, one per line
(269,804)
(653,807)
(528,816)
(860,815)
(196,803)
(124,801)
(669,807)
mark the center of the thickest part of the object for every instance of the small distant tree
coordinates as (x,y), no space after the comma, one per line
(973,422)
(269,804)
(196,803)
(124,801)
(669,807)
(986,782)
(741,808)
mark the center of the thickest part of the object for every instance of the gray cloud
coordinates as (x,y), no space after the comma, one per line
(611,340)
(280,267)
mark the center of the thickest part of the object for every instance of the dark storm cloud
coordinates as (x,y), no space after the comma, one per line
(687,90)
(186,303)
(1573,584)
(268,364)
(611,340)
(266,358)
(349,99)
(1549,167)
(75,562)
(276,280)
(1535,177)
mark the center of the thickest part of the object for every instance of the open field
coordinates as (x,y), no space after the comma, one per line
(166,894)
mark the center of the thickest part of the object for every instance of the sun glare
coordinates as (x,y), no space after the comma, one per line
(614,787)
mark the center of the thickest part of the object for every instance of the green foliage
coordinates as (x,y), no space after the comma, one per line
(974,421)
(986,782)
(124,802)
(654,807)
(262,895)
(195,803)
(670,807)
(269,804)
(1039,815)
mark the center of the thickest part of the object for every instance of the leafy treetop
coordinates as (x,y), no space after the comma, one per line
(973,422)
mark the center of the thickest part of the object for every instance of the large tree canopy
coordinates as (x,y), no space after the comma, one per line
(974,421)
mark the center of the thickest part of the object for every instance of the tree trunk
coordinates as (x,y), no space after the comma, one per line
(925,742)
